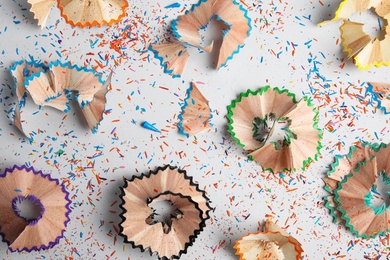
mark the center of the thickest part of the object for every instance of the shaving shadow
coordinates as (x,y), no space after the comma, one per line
(325,12)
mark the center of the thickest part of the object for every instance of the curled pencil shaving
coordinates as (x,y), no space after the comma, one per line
(253,110)
(352,198)
(53,86)
(358,44)
(90,13)
(80,12)
(169,237)
(50,200)
(272,243)
(343,166)
(174,56)
(186,27)
(20,71)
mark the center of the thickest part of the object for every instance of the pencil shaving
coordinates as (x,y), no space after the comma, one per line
(173,56)
(41,10)
(300,142)
(381,95)
(196,113)
(53,86)
(356,177)
(366,51)
(272,243)
(92,13)
(81,13)
(186,27)
(343,166)
(50,200)
(171,237)
(20,71)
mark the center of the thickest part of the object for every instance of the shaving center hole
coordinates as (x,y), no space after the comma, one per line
(378,197)
(213,31)
(212,35)
(163,212)
(373,24)
(271,130)
(29,208)
(271,250)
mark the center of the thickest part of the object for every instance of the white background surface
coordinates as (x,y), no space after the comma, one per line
(121,148)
